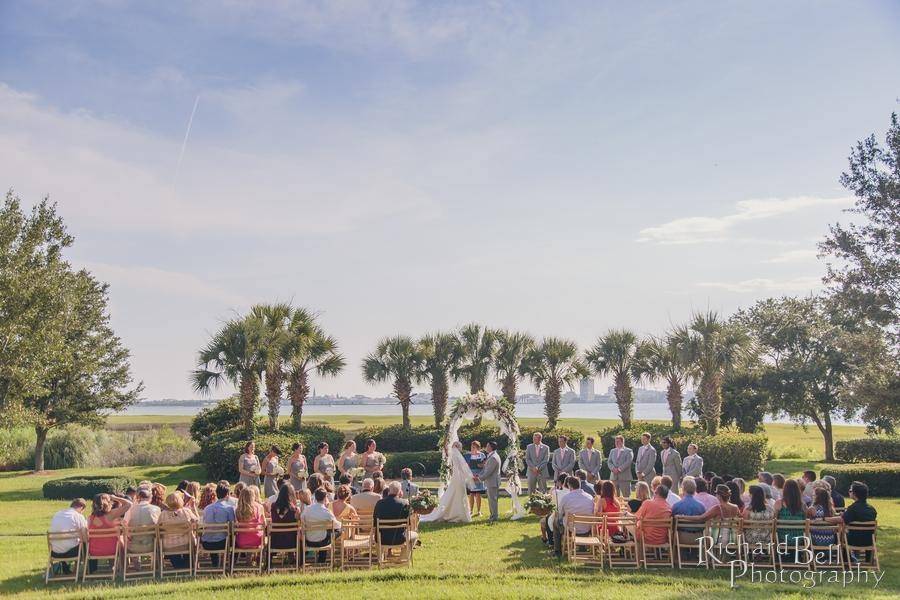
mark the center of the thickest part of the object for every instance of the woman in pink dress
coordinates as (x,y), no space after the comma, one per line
(249,513)
(107,512)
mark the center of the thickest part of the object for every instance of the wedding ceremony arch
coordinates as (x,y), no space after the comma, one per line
(469,407)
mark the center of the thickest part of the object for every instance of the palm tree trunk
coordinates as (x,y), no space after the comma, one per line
(403,391)
(624,398)
(274,385)
(298,390)
(551,403)
(41,435)
(711,401)
(674,395)
(476,386)
(439,393)
(508,388)
(249,390)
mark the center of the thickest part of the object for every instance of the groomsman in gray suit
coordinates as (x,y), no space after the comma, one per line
(537,457)
(645,465)
(590,460)
(563,458)
(671,463)
(693,463)
(619,462)
(490,475)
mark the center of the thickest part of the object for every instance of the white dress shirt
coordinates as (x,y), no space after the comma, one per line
(576,502)
(66,520)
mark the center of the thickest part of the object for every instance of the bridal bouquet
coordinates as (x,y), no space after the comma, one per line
(423,502)
(356,472)
(539,504)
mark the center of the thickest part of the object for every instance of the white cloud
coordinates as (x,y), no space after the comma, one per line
(798,284)
(696,230)
(793,256)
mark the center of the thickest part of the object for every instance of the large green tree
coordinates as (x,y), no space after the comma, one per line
(476,345)
(235,354)
(552,364)
(440,355)
(713,348)
(396,358)
(510,361)
(274,319)
(308,350)
(615,354)
(664,359)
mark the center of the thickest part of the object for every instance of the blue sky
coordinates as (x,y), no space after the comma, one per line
(403,167)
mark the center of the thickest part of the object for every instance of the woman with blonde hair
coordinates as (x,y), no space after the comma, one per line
(641,495)
(378,480)
(341,507)
(192,497)
(349,459)
(251,515)
(176,513)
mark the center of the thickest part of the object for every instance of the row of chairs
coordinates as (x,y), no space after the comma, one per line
(143,552)
(617,540)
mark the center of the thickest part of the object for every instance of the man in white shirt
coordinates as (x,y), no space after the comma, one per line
(315,521)
(665,480)
(366,499)
(575,502)
(67,520)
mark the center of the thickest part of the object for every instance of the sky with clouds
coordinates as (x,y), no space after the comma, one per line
(403,167)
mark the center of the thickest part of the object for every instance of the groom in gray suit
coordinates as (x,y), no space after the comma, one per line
(490,475)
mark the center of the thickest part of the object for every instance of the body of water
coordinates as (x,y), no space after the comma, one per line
(569,411)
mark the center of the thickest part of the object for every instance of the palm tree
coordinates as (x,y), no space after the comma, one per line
(666,359)
(476,355)
(509,360)
(234,354)
(307,350)
(440,355)
(398,358)
(551,365)
(613,354)
(275,319)
(712,347)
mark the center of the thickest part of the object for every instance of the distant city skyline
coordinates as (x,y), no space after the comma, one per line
(410,167)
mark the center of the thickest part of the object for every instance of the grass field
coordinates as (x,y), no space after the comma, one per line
(503,560)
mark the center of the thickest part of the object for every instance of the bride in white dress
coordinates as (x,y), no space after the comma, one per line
(453,506)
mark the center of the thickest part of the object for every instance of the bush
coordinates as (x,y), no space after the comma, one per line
(576,438)
(868,450)
(424,438)
(220,451)
(70,448)
(397,461)
(737,454)
(16,448)
(85,487)
(226,414)
(883,479)
(161,447)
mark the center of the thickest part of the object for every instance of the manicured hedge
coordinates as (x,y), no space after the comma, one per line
(220,451)
(226,414)
(397,461)
(868,450)
(85,487)
(736,454)
(424,438)
(883,479)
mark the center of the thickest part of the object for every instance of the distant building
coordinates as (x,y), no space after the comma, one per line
(586,390)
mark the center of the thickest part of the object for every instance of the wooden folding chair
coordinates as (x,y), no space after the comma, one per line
(52,561)
(392,553)
(98,535)
(140,547)
(689,535)
(247,560)
(726,542)
(203,558)
(826,557)
(178,531)
(657,554)
(761,552)
(328,550)
(356,549)
(289,556)
(364,521)
(792,542)
(622,550)
(861,556)
(587,547)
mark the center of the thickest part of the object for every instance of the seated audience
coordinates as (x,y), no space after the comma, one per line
(409,488)
(284,511)
(106,513)
(736,497)
(207,497)
(689,506)
(548,522)
(367,498)
(757,510)
(836,497)
(806,481)
(655,508)
(64,521)
(236,493)
(778,482)
(393,506)
(315,520)
(641,495)
(220,511)
(822,509)
(859,511)
(176,513)
(586,487)
(574,502)
(192,497)
(249,514)
(341,507)
(158,497)
(379,487)
(141,514)
(606,501)
(790,508)
(673,496)
(703,496)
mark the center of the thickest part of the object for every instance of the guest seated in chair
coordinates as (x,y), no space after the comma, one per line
(66,520)
(107,512)
(177,514)
(314,518)
(575,502)
(220,511)
(366,499)
(393,506)
(655,508)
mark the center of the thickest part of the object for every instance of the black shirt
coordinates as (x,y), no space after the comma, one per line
(859,512)
(391,507)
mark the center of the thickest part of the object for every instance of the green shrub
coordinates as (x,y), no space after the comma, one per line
(220,451)
(161,447)
(883,479)
(397,461)
(737,454)
(226,414)
(16,448)
(868,450)
(576,438)
(425,438)
(71,448)
(85,486)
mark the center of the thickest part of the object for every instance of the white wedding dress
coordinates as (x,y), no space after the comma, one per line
(453,504)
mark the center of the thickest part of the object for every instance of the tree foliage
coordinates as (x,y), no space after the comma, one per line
(615,354)
(396,358)
(552,364)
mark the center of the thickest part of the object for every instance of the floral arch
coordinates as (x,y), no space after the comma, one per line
(469,407)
